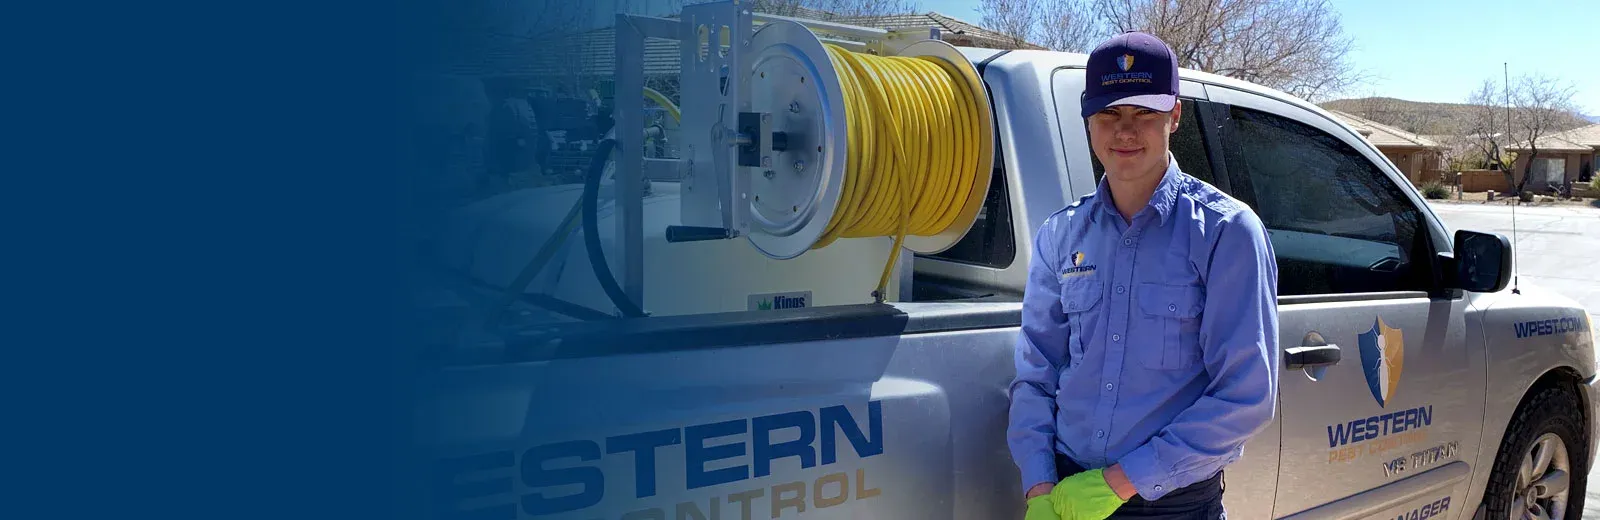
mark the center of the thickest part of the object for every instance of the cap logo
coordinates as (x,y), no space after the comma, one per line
(1133,68)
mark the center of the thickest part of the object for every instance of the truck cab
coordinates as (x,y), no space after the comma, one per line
(1365,277)
(1416,381)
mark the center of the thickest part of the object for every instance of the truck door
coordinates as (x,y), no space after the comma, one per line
(1386,430)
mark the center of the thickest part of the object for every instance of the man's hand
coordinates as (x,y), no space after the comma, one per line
(1085,496)
(1042,488)
(1118,480)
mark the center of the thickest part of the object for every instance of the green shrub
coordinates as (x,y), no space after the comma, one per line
(1435,190)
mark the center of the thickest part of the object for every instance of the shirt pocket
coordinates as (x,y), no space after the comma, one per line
(1171,316)
(1080,301)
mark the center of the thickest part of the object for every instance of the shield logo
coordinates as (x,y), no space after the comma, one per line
(1077,258)
(1382,358)
(1125,62)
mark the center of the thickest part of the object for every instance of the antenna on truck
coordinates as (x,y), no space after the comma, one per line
(1516,264)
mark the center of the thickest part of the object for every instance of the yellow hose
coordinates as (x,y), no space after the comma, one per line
(913,131)
(672,110)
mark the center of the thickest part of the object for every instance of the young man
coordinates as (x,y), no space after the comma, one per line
(1149,345)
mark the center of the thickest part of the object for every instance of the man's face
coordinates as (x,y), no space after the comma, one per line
(1132,141)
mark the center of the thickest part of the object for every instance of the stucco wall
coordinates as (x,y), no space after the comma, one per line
(1477,181)
(1574,162)
(1412,162)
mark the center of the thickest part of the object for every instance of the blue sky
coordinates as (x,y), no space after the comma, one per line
(1436,50)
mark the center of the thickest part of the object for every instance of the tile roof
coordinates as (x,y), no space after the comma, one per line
(1575,140)
(1586,136)
(1553,143)
(954,30)
(1380,134)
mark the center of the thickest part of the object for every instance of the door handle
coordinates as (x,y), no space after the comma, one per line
(1311,356)
(1313,352)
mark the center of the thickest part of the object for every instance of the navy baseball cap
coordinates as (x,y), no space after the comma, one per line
(1132,68)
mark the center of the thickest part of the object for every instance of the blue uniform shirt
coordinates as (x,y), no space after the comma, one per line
(1153,344)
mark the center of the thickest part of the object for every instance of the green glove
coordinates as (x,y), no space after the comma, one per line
(1085,496)
(1040,508)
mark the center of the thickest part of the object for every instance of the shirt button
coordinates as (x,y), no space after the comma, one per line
(1127,241)
(1121,289)
(1116,337)
(1158,488)
(1172,307)
(1101,434)
(1108,386)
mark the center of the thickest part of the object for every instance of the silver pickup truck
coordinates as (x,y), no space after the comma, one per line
(1418,380)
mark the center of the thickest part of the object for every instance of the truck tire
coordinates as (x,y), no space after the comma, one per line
(1548,430)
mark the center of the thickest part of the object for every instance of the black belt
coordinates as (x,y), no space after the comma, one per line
(1198,494)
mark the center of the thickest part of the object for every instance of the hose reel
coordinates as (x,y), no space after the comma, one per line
(794,142)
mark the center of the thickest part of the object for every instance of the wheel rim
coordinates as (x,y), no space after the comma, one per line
(1544,480)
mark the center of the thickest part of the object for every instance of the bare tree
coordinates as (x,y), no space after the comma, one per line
(1370,106)
(1486,126)
(1456,151)
(1016,19)
(1068,25)
(1298,46)
(1540,106)
(836,9)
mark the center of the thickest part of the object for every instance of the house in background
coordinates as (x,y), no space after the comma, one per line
(1563,157)
(952,30)
(1421,159)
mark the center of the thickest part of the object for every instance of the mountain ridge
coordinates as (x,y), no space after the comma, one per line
(1430,118)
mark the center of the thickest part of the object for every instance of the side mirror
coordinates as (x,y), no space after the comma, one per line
(1482,261)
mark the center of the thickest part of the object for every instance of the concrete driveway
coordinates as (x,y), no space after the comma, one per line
(1557,247)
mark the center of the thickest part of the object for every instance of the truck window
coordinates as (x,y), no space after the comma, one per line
(990,242)
(1186,145)
(1337,223)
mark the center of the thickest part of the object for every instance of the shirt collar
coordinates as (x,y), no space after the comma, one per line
(1161,201)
